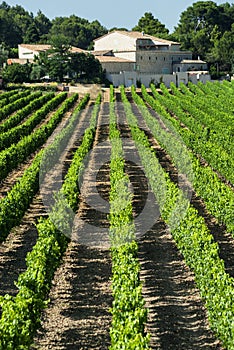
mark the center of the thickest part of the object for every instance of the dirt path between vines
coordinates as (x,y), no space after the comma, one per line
(78,315)
(7,183)
(177,319)
(22,238)
(224,239)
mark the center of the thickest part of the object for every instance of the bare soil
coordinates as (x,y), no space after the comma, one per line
(78,314)
(177,318)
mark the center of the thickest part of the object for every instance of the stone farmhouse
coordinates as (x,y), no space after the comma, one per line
(130,57)
(27,52)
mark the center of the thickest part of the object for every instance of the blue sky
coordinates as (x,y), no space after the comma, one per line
(111,13)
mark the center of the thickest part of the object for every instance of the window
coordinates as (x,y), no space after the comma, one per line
(149,58)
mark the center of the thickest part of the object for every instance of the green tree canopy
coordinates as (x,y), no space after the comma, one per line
(151,26)
(4,54)
(19,26)
(78,31)
(10,33)
(58,57)
(17,73)
(197,24)
(84,66)
(207,30)
(60,62)
(43,25)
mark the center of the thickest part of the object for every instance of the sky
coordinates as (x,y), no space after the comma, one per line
(111,13)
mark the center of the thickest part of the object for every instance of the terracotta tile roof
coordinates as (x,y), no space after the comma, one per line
(112,59)
(139,35)
(19,60)
(36,47)
(102,53)
(77,49)
(193,61)
(42,47)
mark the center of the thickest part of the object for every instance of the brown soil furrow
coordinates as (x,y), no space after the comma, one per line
(199,156)
(221,236)
(18,243)
(78,315)
(15,174)
(177,318)
(22,238)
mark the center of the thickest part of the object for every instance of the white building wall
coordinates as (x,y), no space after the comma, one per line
(147,79)
(159,62)
(117,67)
(116,42)
(116,79)
(194,66)
(194,78)
(26,53)
(133,78)
(181,78)
(127,55)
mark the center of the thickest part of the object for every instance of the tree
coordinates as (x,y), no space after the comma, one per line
(206,29)
(78,31)
(18,25)
(37,72)
(58,57)
(221,56)
(86,67)
(196,26)
(16,73)
(117,28)
(31,35)
(226,50)
(10,34)
(23,20)
(4,53)
(43,25)
(151,26)
(60,62)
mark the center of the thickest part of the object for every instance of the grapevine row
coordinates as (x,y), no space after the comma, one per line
(17,153)
(6,95)
(191,236)
(208,112)
(10,97)
(203,140)
(218,197)
(20,100)
(37,101)
(224,102)
(18,326)
(15,134)
(17,200)
(129,314)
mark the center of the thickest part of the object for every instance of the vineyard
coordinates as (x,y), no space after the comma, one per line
(116,219)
